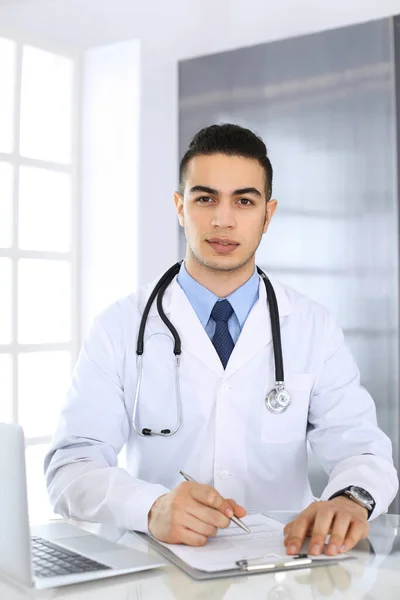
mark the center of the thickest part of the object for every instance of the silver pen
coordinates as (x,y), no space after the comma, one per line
(234,519)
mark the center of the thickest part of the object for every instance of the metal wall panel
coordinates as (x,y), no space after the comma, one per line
(325,105)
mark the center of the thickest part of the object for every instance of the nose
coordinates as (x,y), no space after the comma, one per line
(224,216)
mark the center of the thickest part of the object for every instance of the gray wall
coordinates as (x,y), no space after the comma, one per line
(325,106)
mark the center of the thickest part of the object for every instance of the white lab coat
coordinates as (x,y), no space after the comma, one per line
(228,437)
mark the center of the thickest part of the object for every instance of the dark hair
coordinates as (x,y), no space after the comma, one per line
(231,140)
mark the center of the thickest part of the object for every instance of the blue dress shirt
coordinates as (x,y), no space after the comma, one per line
(202,301)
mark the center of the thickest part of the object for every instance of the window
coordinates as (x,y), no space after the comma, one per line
(38,254)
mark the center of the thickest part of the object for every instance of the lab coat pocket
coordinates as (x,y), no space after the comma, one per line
(292,424)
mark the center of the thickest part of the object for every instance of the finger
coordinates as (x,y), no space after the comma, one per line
(198,526)
(299,529)
(340,527)
(357,531)
(208,515)
(205,494)
(285,539)
(239,510)
(323,581)
(287,533)
(304,577)
(288,529)
(189,537)
(322,526)
(341,577)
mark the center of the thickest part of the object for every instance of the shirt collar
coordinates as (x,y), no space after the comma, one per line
(203,300)
(244,298)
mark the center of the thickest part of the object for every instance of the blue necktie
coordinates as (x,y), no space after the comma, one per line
(222,340)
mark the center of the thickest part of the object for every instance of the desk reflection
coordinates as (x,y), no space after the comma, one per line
(375,575)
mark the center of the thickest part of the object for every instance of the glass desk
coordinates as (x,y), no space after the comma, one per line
(375,575)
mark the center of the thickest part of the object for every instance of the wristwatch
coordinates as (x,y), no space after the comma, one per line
(359,495)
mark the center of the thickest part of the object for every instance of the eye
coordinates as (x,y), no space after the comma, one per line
(204,200)
(246,202)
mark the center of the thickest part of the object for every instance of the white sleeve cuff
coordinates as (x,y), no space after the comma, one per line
(365,471)
(144,499)
(334,487)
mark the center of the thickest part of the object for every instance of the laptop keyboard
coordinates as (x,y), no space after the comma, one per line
(50,560)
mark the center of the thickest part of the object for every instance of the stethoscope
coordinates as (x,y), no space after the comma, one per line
(277,400)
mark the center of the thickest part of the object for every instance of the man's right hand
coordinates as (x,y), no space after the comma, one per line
(190,514)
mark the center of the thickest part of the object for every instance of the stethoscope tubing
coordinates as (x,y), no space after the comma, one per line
(158,294)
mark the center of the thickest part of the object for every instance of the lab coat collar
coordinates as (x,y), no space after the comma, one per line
(254,337)
(195,340)
(284,304)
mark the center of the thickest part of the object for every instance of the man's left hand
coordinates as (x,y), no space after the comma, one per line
(342,518)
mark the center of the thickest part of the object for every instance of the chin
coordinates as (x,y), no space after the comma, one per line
(222,263)
(205,256)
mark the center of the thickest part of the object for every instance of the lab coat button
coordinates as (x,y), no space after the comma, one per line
(225,388)
(224,474)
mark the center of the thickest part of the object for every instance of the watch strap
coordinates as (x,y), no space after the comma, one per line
(348,489)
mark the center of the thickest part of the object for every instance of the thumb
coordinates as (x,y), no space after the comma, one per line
(237,509)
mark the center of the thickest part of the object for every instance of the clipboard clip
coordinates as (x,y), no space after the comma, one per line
(260,564)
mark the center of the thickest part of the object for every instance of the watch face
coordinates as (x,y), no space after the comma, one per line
(360,493)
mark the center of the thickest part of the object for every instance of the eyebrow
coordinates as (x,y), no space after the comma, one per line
(207,190)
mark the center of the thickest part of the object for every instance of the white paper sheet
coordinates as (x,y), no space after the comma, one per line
(233,544)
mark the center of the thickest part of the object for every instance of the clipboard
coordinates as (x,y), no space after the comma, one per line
(267,564)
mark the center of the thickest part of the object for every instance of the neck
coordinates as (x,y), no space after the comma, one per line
(219,282)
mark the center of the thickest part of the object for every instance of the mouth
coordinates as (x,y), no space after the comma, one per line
(222,245)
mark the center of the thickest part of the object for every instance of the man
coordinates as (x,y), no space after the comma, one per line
(228,440)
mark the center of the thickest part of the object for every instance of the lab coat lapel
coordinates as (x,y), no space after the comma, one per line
(256,332)
(255,335)
(192,333)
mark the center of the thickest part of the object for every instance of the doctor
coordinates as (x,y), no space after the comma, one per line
(217,424)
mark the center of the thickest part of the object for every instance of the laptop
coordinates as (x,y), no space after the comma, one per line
(56,554)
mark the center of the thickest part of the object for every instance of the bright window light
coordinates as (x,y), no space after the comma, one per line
(6,202)
(44,301)
(7,94)
(46,106)
(44,210)
(44,379)
(38,262)
(5,301)
(39,509)
(6,388)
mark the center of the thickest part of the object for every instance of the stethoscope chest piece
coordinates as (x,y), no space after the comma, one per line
(278,399)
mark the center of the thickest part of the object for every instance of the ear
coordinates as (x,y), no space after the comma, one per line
(178,199)
(271,208)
